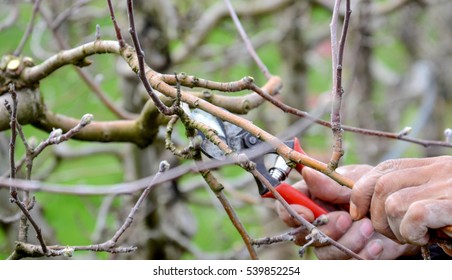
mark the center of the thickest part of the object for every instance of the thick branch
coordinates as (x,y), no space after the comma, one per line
(76,56)
(234,104)
(140,132)
(28,110)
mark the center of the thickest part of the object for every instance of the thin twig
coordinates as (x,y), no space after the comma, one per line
(35,225)
(247,41)
(25,250)
(12,143)
(57,137)
(54,138)
(13,191)
(164,165)
(285,237)
(122,44)
(169,144)
(338,91)
(141,68)
(29,29)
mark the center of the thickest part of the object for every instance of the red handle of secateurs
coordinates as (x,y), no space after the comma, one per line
(297,147)
(294,196)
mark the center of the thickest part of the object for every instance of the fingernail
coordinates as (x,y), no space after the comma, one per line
(343,223)
(353,211)
(375,248)
(366,229)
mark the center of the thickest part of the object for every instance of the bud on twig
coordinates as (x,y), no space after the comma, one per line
(164,166)
(448,134)
(68,252)
(86,119)
(196,142)
(56,133)
(404,132)
(97,32)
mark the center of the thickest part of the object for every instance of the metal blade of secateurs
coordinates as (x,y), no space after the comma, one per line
(209,148)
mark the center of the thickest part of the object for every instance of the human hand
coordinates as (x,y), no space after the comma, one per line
(358,236)
(406,198)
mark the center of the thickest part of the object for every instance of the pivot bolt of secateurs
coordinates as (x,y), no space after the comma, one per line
(280,169)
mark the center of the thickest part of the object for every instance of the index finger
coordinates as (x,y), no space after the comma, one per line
(364,188)
(326,189)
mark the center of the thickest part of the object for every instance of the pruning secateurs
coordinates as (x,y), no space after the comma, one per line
(240,141)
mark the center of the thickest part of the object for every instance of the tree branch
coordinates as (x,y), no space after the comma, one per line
(338,91)
(29,29)
(75,56)
(246,40)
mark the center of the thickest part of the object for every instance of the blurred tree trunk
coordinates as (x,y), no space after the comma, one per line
(293,49)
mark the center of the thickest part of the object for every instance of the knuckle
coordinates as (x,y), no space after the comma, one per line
(382,184)
(414,229)
(387,164)
(394,206)
(418,212)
